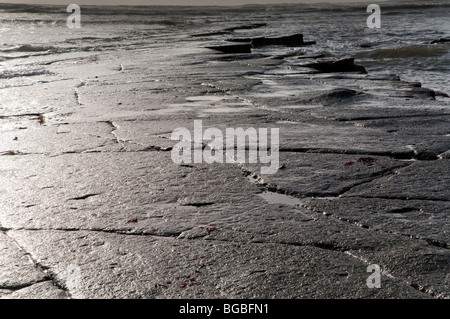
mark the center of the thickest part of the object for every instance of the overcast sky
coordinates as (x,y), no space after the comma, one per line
(174,2)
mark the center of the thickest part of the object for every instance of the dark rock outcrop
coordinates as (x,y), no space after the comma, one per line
(209,34)
(441,40)
(295,40)
(342,65)
(288,55)
(234,48)
(421,92)
(439,93)
(240,57)
(342,93)
(317,56)
(247,27)
(335,95)
(230,30)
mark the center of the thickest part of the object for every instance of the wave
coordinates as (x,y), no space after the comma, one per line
(159,10)
(83,44)
(33,48)
(23,73)
(98,40)
(404,52)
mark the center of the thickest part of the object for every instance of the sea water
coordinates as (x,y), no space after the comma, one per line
(402,45)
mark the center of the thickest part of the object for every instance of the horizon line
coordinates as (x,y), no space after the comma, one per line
(196,5)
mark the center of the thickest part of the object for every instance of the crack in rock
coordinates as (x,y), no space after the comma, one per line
(331,247)
(113,133)
(84,196)
(128,232)
(199,204)
(432,242)
(77,98)
(17,287)
(405,198)
(416,286)
(47,275)
(374,118)
(276,189)
(405,155)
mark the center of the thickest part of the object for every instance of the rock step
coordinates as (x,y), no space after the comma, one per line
(333,65)
(235,48)
(295,40)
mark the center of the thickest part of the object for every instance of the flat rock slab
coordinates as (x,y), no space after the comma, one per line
(342,65)
(173,268)
(35,138)
(321,174)
(41,290)
(21,277)
(49,93)
(427,180)
(72,193)
(394,253)
(412,218)
(232,48)
(17,270)
(230,211)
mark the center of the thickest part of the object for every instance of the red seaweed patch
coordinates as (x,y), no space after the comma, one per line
(210,229)
(366,160)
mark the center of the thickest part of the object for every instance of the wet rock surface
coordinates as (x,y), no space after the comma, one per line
(92,205)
